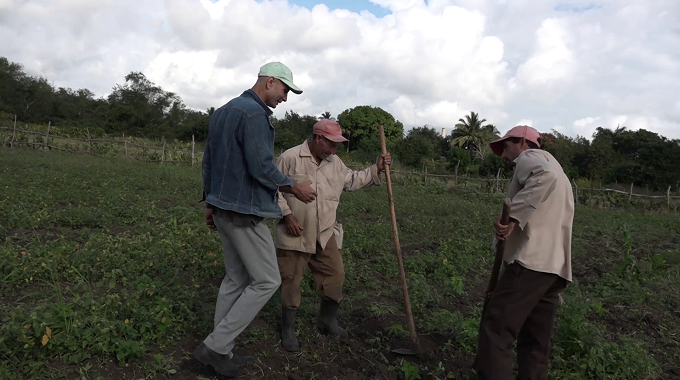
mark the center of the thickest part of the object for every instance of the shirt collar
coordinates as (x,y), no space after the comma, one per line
(305,152)
(259,101)
(520,155)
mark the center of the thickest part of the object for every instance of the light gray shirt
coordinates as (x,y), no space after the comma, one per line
(543,205)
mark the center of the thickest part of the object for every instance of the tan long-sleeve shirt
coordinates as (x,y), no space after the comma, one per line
(543,206)
(329,179)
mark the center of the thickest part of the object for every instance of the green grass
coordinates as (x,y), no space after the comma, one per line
(107,270)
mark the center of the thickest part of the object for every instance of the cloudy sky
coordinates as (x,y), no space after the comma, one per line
(565,65)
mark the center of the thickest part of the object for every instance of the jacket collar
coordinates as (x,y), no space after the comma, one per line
(252,94)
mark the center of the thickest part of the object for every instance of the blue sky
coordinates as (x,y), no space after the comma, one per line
(352,5)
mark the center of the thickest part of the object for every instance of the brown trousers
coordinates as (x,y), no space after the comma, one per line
(522,308)
(326,267)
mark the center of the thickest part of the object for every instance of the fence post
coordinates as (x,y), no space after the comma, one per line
(163,151)
(630,195)
(575,191)
(89,143)
(14,134)
(47,135)
(193,149)
(498,179)
(425,176)
(455,181)
(126,149)
(668,196)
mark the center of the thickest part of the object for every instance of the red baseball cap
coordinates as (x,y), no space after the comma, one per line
(329,129)
(521,131)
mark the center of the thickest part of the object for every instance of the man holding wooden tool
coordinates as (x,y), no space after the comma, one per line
(537,252)
(308,234)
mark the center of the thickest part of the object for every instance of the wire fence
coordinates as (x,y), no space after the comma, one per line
(129,147)
(606,197)
(138,149)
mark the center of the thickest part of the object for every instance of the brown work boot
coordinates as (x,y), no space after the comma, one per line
(289,341)
(327,322)
(222,364)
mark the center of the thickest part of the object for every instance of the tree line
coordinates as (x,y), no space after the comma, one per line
(139,107)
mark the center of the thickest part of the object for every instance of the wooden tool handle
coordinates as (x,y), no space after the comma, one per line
(500,248)
(395,237)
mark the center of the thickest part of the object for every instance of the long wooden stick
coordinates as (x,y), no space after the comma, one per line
(500,248)
(395,237)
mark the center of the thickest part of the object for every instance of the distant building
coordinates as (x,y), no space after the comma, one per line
(443,133)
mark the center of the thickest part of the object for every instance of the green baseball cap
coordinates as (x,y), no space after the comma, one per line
(281,72)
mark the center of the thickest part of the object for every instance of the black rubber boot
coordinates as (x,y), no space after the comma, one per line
(288,340)
(242,361)
(222,364)
(327,321)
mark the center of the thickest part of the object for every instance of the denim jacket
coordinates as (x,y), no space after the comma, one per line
(238,168)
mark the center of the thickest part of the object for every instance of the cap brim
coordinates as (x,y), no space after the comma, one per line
(497,146)
(291,85)
(337,139)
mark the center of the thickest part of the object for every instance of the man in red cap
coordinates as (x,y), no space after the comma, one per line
(308,234)
(538,261)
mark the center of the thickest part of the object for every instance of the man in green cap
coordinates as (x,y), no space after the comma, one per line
(240,185)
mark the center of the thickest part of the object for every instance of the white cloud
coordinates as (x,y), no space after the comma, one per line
(585,121)
(586,126)
(650,123)
(441,113)
(552,63)
(426,62)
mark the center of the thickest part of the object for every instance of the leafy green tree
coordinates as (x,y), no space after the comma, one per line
(194,123)
(649,159)
(78,108)
(420,145)
(491,164)
(11,75)
(292,129)
(361,124)
(458,157)
(601,154)
(36,98)
(154,111)
(571,153)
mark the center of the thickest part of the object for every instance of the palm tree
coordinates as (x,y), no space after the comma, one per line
(326,115)
(470,133)
(490,133)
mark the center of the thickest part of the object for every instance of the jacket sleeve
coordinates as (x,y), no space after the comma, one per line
(284,167)
(538,183)
(356,180)
(205,170)
(259,154)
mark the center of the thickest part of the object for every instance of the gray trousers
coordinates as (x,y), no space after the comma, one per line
(252,277)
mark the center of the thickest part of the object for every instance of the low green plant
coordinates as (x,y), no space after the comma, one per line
(410,371)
